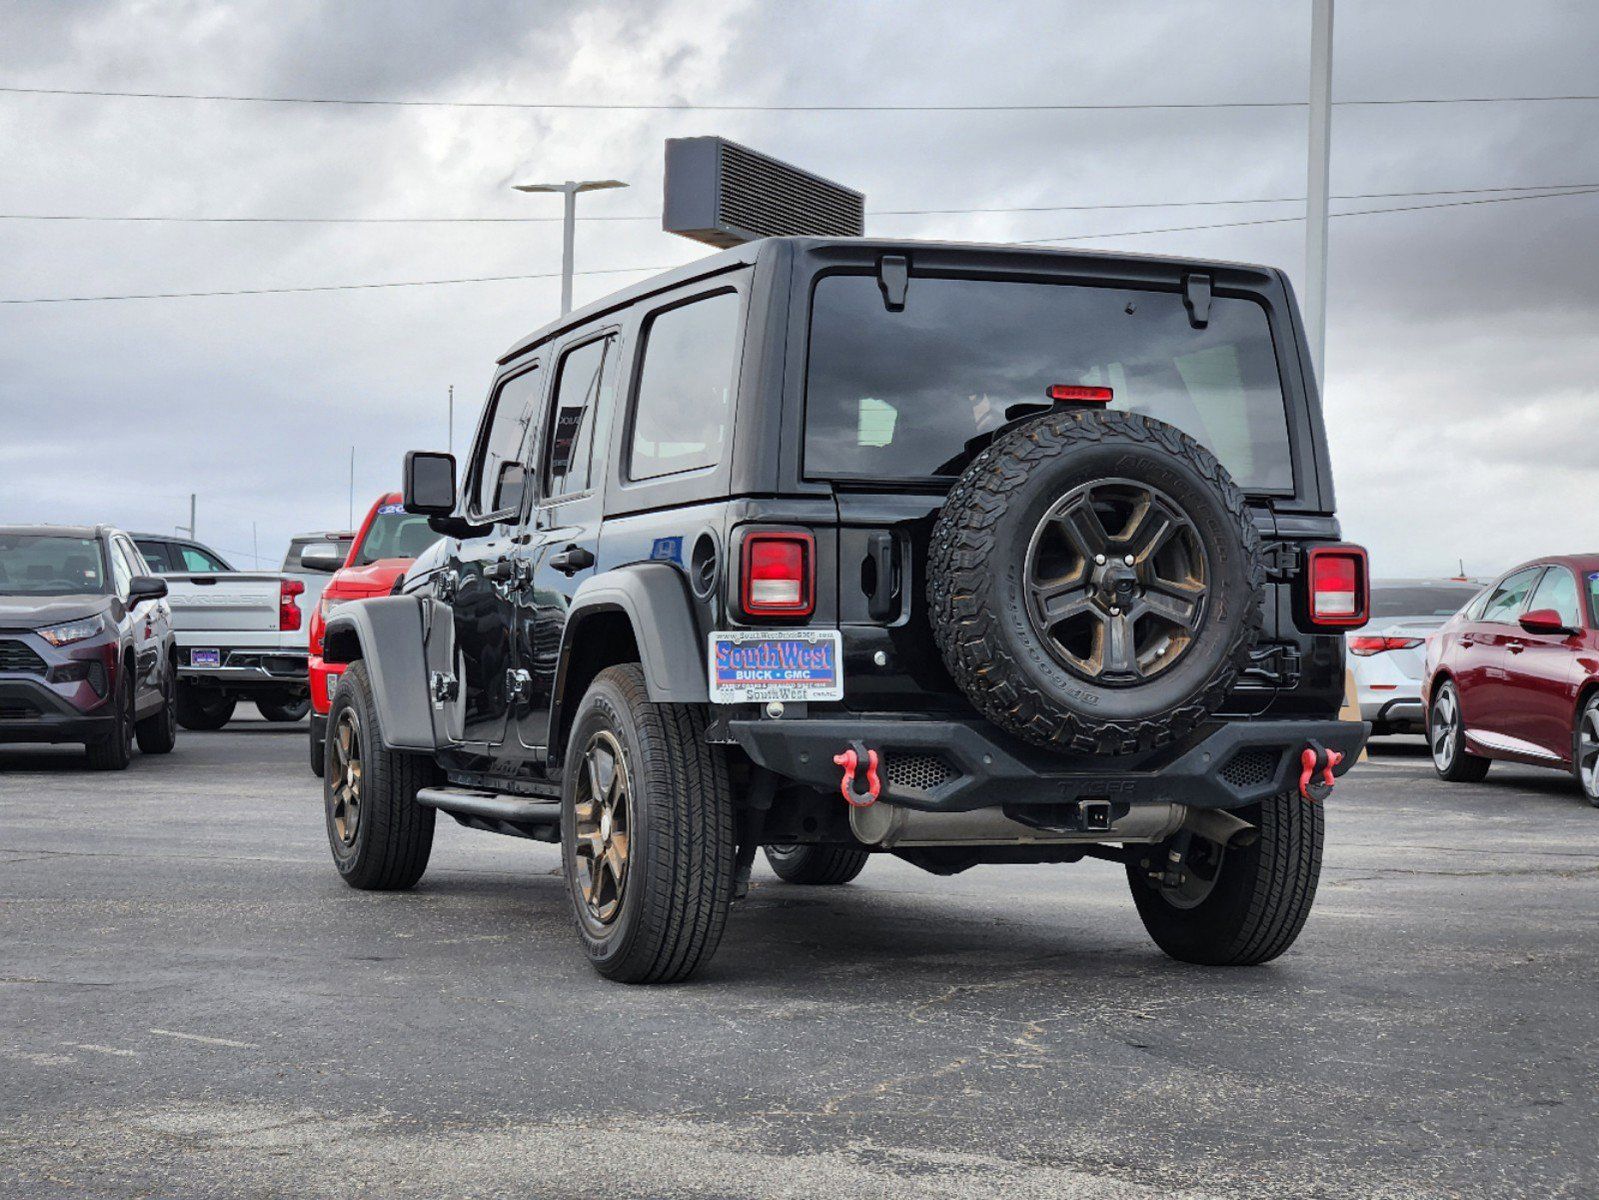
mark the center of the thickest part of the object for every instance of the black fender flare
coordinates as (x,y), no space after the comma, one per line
(389,635)
(654,597)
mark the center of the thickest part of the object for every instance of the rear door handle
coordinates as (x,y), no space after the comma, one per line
(571,560)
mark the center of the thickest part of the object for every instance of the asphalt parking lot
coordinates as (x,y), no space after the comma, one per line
(192,1004)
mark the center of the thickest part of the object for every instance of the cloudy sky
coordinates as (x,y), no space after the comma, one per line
(1462,357)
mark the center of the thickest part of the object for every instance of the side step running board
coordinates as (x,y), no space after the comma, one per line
(496,811)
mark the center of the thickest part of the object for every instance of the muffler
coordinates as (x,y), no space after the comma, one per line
(887,825)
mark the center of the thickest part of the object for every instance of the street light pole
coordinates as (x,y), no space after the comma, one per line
(1321,30)
(569,191)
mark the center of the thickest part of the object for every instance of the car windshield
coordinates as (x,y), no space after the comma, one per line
(50,565)
(394,533)
(1419,600)
(899,395)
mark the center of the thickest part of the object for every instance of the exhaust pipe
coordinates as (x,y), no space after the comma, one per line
(888,826)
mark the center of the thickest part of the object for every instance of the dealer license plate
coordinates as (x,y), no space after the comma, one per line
(205,658)
(750,665)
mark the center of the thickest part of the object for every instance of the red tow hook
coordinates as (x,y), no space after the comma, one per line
(850,787)
(1316,760)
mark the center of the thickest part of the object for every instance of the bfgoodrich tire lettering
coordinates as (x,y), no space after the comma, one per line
(667,917)
(981,565)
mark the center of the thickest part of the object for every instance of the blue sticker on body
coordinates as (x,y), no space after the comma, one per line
(388,510)
(668,549)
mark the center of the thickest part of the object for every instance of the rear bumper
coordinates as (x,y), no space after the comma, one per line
(32,712)
(959,766)
(1403,710)
(250,669)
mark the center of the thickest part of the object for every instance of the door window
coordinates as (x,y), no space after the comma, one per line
(1508,597)
(510,411)
(568,459)
(683,406)
(155,553)
(1558,590)
(197,561)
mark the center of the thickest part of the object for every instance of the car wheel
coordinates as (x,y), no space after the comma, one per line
(284,709)
(1585,756)
(158,733)
(201,710)
(819,865)
(1446,737)
(380,836)
(114,751)
(1239,904)
(647,842)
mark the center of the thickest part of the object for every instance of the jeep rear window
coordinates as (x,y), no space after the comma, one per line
(899,395)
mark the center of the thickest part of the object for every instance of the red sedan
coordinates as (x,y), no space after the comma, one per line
(1515,675)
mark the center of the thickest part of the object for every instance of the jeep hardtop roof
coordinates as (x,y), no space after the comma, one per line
(1004,254)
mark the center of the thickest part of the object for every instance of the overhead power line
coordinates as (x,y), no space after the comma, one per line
(328,287)
(344,287)
(1359,212)
(883,212)
(686,106)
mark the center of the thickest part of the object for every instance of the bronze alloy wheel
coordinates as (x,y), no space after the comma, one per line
(1116,581)
(603,821)
(344,778)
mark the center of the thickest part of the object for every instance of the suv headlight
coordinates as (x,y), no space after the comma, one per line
(72,631)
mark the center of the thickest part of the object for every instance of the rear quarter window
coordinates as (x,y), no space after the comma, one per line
(682,406)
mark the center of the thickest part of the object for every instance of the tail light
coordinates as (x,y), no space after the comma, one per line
(1074,393)
(289,615)
(778,578)
(1364,646)
(1340,586)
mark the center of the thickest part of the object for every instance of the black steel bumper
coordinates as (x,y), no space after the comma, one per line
(960,765)
(31,712)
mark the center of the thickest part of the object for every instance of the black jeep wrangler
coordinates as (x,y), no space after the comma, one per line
(967,554)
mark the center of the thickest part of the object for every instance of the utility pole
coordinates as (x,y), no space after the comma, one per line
(569,190)
(255,546)
(1315,311)
(452,418)
(350,524)
(190,529)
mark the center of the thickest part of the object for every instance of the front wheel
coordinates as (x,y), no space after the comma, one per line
(1446,737)
(818,865)
(380,836)
(1585,756)
(114,751)
(647,840)
(1240,904)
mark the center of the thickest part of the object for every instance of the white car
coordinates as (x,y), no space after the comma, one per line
(1388,657)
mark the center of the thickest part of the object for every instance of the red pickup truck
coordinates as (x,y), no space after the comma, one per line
(387,543)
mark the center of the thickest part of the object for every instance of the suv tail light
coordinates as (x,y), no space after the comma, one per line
(1340,586)
(1364,647)
(289,614)
(778,576)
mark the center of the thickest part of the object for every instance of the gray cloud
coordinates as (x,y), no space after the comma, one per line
(1461,355)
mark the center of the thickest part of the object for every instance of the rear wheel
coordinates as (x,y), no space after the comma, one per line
(287,709)
(114,751)
(1240,904)
(1585,756)
(158,733)
(646,832)
(380,836)
(200,709)
(1446,737)
(821,865)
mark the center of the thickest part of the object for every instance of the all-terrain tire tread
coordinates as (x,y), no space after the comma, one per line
(963,551)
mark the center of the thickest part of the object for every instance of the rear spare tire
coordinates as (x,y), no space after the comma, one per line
(1095,582)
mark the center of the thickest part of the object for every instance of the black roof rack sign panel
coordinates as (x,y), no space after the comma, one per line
(724,194)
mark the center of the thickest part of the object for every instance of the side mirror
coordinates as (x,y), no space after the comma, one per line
(321,556)
(1545,621)
(145,587)
(508,488)
(429,485)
